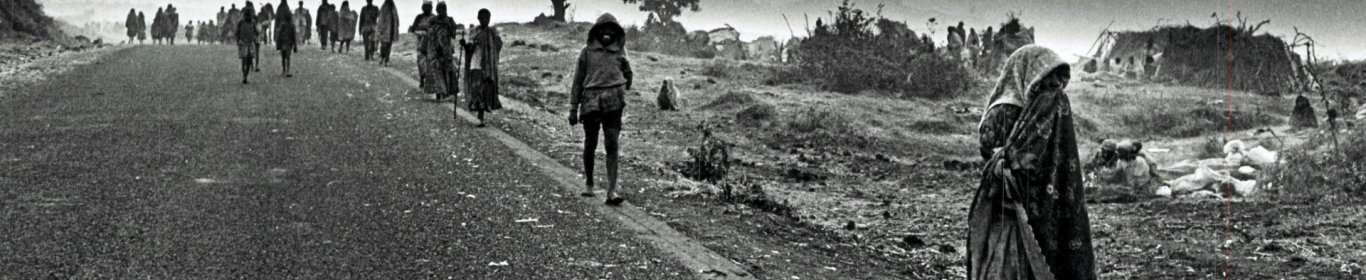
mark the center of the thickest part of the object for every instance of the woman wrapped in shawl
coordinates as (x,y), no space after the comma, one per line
(346,27)
(131,23)
(142,27)
(1028,219)
(481,62)
(247,49)
(387,29)
(441,72)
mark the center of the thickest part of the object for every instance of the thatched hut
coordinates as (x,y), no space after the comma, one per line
(1202,57)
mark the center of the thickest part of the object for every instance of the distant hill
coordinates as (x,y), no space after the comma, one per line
(22,20)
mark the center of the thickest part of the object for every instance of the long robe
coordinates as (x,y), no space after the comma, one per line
(1028,218)
(131,23)
(286,40)
(441,72)
(142,26)
(346,24)
(246,39)
(485,49)
(386,26)
(303,24)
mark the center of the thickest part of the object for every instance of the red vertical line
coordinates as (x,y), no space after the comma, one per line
(1228,136)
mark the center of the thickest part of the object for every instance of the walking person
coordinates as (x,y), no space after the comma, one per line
(481,61)
(1028,217)
(369,17)
(285,37)
(266,19)
(442,81)
(419,28)
(346,27)
(250,10)
(131,24)
(303,25)
(598,99)
(326,21)
(189,33)
(387,30)
(142,28)
(247,49)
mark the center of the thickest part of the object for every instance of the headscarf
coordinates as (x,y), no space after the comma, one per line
(1028,219)
(1027,66)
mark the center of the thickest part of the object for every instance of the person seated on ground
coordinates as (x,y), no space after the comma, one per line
(1028,217)
(598,98)
(668,96)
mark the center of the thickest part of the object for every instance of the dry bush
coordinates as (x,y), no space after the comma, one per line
(1316,171)
(25,19)
(718,68)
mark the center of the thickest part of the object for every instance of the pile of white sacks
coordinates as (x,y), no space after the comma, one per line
(1208,177)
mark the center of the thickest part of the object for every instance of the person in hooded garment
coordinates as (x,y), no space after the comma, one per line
(142,28)
(481,61)
(346,26)
(442,80)
(158,26)
(598,98)
(285,39)
(131,24)
(369,17)
(386,30)
(247,48)
(172,23)
(668,96)
(303,25)
(419,28)
(326,23)
(1028,218)
(266,19)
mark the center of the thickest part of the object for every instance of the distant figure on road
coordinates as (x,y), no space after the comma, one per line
(346,26)
(369,17)
(142,28)
(247,49)
(250,10)
(285,38)
(189,32)
(598,98)
(481,61)
(1028,218)
(442,80)
(266,19)
(230,27)
(158,26)
(419,27)
(303,24)
(131,23)
(387,30)
(222,20)
(326,22)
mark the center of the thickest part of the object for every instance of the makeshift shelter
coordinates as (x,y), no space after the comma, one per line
(726,42)
(1200,57)
(764,49)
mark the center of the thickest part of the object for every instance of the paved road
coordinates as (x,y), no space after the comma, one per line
(157,164)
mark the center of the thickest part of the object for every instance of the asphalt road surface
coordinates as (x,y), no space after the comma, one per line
(156,163)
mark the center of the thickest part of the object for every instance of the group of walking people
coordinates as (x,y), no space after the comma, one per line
(165,25)
(1028,218)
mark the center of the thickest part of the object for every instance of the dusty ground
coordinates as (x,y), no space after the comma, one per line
(878,163)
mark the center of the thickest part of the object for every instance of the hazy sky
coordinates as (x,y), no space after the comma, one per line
(1069,26)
